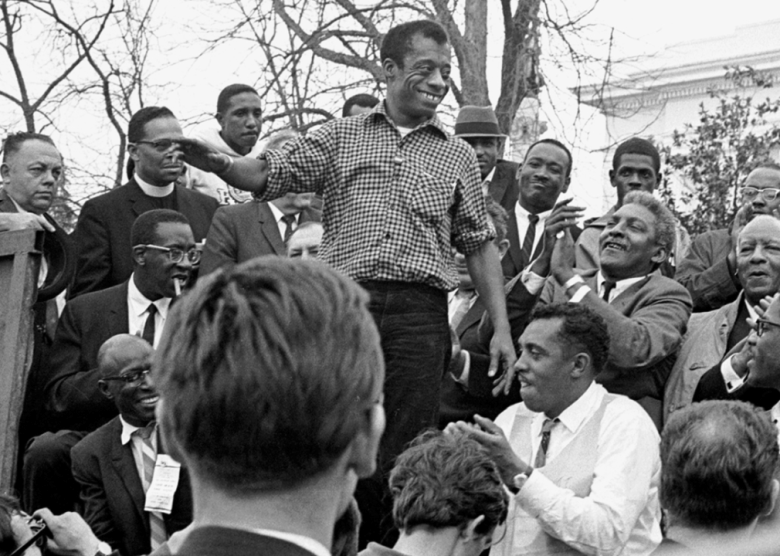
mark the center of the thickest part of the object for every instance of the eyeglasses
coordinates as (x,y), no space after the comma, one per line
(161,145)
(130,377)
(176,255)
(761,325)
(750,192)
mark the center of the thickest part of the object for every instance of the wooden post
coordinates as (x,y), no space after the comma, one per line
(20,258)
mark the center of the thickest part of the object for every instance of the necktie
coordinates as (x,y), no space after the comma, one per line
(609,285)
(530,235)
(149,326)
(156,522)
(541,454)
(289,220)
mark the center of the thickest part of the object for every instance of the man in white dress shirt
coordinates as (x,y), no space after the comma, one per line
(583,464)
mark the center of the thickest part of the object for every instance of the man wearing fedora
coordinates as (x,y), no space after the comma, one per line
(478,126)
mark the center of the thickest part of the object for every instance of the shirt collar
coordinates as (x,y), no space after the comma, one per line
(542,215)
(380,111)
(307,543)
(489,177)
(751,310)
(278,215)
(620,285)
(139,303)
(573,416)
(127,431)
(153,190)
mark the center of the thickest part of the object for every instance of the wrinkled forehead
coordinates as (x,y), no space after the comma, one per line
(761,178)
(762,229)
(33,150)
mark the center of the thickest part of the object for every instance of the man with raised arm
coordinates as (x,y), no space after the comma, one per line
(399,193)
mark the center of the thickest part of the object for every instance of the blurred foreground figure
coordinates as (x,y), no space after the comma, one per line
(448,498)
(270,387)
(719,461)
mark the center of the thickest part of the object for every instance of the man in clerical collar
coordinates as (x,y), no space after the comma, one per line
(116,465)
(582,463)
(646,312)
(102,234)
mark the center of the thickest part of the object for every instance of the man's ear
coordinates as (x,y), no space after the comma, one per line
(660,256)
(469,534)
(390,68)
(612,177)
(503,247)
(106,391)
(220,117)
(139,255)
(365,446)
(772,498)
(132,150)
(582,363)
(5,171)
(566,184)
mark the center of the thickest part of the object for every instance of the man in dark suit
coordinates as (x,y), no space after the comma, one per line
(274,445)
(478,126)
(73,394)
(242,232)
(646,313)
(102,234)
(543,177)
(115,465)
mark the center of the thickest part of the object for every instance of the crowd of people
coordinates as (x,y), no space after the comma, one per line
(378,337)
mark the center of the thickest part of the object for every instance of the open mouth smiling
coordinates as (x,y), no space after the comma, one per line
(613,245)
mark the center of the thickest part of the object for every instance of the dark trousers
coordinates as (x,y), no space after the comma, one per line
(48,480)
(415,335)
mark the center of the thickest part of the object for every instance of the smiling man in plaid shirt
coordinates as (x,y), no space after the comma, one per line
(399,193)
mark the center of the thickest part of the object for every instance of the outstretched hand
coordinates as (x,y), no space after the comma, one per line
(203,156)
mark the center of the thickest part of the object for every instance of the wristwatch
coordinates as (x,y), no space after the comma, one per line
(103,549)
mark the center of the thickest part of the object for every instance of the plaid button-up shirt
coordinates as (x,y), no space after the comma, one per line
(393,206)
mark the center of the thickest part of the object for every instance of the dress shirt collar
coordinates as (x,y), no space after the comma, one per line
(278,215)
(153,190)
(127,430)
(380,111)
(490,176)
(620,285)
(139,303)
(573,416)
(543,216)
(751,310)
(307,543)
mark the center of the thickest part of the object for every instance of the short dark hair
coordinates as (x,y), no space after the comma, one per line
(267,373)
(135,129)
(718,459)
(144,230)
(14,141)
(444,480)
(556,143)
(581,327)
(664,220)
(362,99)
(637,145)
(398,40)
(223,100)
(498,217)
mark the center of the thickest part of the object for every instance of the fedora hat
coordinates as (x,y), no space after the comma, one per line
(477,121)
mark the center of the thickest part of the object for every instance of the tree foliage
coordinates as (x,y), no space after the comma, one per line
(714,157)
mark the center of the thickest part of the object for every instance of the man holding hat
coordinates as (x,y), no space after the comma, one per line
(478,126)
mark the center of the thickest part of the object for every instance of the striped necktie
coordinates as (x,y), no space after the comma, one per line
(541,455)
(530,235)
(156,521)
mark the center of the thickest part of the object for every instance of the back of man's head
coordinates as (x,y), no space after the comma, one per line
(718,463)
(446,481)
(361,100)
(268,373)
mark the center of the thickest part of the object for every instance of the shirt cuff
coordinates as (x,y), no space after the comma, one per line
(533,282)
(731,379)
(579,294)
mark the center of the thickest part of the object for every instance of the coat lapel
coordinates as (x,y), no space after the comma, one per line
(138,200)
(515,252)
(6,204)
(473,315)
(498,184)
(270,229)
(124,464)
(119,318)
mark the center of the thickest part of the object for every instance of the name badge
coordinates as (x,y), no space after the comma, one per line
(159,497)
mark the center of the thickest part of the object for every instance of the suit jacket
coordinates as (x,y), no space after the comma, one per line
(712,387)
(242,232)
(646,324)
(210,541)
(102,233)
(72,391)
(459,403)
(504,187)
(113,495)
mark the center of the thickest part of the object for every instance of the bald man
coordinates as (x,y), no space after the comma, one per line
(113,464)
(712,362)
